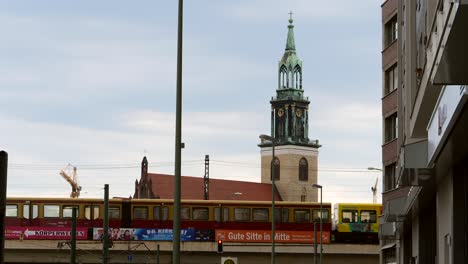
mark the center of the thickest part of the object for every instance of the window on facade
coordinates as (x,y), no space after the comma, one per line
(260,214)
(35,211)
(51,210)
(391,79)
(91,212)
(241,214)
(391,127)
(303,170)
(349,216)
(301,215)
(275,169)
(389,181)
(114,212)
(185,213)
(324,215)
(140,212)
(11,210)
(391,31)
(67,211)
(368,216)
(200,213)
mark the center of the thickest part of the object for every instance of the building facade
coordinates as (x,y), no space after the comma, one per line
(296,156)
(425,121)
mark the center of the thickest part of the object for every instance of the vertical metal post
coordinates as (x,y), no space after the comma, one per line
(105,232)
(273,233)
(321,230)
(157,255)
(178,144)
(3,191)
(315,242)
(73,238)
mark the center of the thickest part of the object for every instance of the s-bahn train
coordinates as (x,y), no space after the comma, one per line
(201,220)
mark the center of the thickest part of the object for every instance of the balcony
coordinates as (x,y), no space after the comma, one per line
(389,54)
(390,103)
(389,152)
(389,8)
(449,42)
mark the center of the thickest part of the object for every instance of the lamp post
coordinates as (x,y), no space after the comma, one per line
(272,167)
(321,215)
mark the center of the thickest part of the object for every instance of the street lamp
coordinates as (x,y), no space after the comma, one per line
(272,168)
(321,215)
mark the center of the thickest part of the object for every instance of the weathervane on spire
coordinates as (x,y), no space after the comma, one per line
(290,17)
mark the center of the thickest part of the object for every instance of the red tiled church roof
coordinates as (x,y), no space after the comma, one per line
(192,188)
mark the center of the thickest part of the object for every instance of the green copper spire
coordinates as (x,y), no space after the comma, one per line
(290,46)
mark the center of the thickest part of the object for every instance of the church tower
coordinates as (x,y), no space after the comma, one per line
(296,156)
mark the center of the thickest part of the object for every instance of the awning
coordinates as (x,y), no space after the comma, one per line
(391,245)
(398,202)
(388,231)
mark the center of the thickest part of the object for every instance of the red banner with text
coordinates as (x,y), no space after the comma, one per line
(43,233)
(262,236)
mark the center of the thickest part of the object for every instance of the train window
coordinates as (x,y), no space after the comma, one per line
(140,212)
(114,212)
(317,215)
(301,215)
(92,214)
(241,214)
(185,213)
(11,210)
(35,211)
(200,213)
(67,211)
(368,216)
(51,210)
(225,214)
(281,215)
(349,216)
(260,214)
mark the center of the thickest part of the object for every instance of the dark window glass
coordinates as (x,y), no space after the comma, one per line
(241,214)
(275,169)
(303,170)
(317,215)
(260,214)
(140,213)
(185,213)
(200,213)
(301,215)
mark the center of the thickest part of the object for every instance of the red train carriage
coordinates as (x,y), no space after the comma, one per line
(158,213)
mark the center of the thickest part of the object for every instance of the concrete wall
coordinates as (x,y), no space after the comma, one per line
(445,219)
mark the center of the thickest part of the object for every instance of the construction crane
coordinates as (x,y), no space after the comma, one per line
(72,180)
(374,190)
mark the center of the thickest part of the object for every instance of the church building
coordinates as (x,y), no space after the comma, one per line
(296,156)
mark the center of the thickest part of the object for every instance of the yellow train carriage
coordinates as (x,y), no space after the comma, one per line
(356,222)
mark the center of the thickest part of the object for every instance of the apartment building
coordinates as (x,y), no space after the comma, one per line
(425,128)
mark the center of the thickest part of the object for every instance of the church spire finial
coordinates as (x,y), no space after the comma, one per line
(290,41)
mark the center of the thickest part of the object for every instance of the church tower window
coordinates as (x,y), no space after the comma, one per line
(303,170)
(275,168)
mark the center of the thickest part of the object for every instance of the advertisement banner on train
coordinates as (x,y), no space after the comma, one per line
(154,234)
(43,233)
(264,236)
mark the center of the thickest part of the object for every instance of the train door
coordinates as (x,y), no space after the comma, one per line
(30,214)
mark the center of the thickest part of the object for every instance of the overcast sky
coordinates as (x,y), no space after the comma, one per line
(93,83)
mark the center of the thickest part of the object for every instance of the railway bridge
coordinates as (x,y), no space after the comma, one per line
(58,251)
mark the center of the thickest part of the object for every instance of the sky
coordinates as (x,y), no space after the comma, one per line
(93,84)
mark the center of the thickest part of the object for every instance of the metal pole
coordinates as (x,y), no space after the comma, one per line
(157,255)
(321,230)
(3,192)
(273,233)
(105,232)
(178,144)
(315,242)
(73,237)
